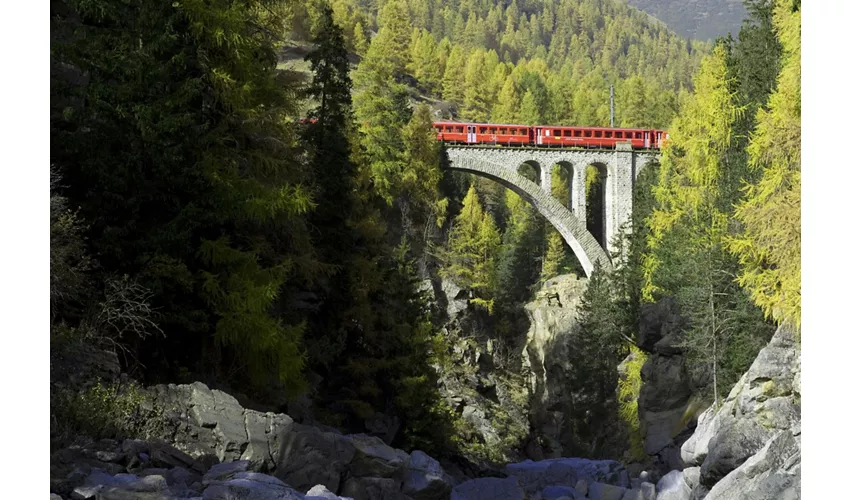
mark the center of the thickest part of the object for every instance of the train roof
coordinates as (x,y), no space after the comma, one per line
(446,122)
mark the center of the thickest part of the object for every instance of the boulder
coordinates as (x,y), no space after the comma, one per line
(673,487)
(251,486)
(222,472)
(425,479)
(309,456)
(772,473)
(372,488)
(536,476)
(373,458)
(320,492)
(488,488)
(559,493)
(601,491)
(647,491)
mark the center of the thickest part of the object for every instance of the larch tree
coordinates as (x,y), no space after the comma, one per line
(769,246)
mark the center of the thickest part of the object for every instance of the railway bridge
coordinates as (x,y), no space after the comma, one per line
(618,169)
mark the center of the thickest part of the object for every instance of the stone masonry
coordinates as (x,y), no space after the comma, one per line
(619,169)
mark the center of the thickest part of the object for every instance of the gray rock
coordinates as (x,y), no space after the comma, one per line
(425,479)
(221,472)
(251,486)
(310,456)
(488,488)
(581,487)
(320,492)
(737,439)
(535,476)
(695,449)
(373,458)
(673,487)
(647,491)
(372,488)
(691,475)
(601,491)
(772,473)
(559,492)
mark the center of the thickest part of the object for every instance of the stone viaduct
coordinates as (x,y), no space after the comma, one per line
(618,168)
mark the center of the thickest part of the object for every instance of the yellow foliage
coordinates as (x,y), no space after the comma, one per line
(692,166)
(628,390)
(769,247)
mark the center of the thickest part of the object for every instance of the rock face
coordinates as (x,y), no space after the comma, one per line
(553,321)
(667,386)
(749,448)
(481,380)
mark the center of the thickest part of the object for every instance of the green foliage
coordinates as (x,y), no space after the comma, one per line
(473,243)
(685,255)
(182,161)
(101,411)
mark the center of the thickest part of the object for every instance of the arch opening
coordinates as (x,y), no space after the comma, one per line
(597,199)
(531,171)
(563,177)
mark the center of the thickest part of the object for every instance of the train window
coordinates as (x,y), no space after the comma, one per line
(557,132)
(618,135)
(482,130)
(512,131)
(568,133)
(588,133)
(608,134)
(638,135)
(628,135)
(597,133)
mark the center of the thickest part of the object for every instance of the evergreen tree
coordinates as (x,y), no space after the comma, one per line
(183,162)
(470,258)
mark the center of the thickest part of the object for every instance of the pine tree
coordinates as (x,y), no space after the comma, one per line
(555,259)
(471,251)
(186,168)
(453,78)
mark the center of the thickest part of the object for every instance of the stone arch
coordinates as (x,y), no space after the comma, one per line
(589,252)
(535,166)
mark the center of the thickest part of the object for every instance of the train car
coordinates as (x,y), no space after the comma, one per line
(597,137)
(484,133)
(547,135)
(509,135)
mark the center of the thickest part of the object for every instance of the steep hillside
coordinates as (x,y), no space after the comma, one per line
(697,19)
(481,58)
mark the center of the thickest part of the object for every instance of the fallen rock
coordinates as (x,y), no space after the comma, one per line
(536,476)
(320,492)
(488,488)
(372,488)
(425,479)
(673,487)
(373,458)
(251,486)
(601,491)
(222,472)
(772,473)
(310,456)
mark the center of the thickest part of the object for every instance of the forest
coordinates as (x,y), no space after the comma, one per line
(222,213)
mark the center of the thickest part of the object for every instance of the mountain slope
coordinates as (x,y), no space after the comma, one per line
(696,19)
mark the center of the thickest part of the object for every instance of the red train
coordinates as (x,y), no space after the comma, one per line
(547,135)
